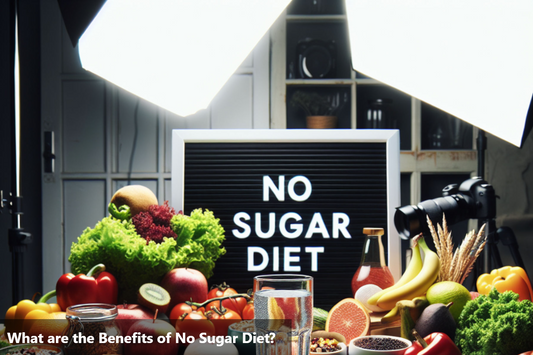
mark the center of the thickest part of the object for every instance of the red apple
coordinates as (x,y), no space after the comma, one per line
(184,284)
(128,314)
(152,329)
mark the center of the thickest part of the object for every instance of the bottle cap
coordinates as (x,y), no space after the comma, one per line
(373,231)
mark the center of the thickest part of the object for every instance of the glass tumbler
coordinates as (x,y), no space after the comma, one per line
(283,306)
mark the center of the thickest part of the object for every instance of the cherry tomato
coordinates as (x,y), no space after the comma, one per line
(248,311)
(223,319)
(217,291)
(194,324)
(237,304)
(214,304)
(182,308)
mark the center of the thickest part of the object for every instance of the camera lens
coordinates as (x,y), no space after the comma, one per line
(411,220)
(406,219)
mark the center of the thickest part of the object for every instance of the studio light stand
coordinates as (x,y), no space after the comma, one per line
(18,239)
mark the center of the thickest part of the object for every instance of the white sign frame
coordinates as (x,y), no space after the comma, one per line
(391,137)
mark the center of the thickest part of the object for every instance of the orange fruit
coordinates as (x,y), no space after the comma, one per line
(350,318)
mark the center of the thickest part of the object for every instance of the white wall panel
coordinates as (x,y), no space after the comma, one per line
(168,190)
(248,62)
(83,126)
(70,59)
(232,107)
(200,120)
(83,205)
(136,131)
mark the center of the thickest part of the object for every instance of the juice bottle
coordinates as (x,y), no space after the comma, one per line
(373,268)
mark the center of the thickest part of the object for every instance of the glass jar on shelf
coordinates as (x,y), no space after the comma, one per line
(373,268)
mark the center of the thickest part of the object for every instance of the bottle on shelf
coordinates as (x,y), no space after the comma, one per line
(373,268)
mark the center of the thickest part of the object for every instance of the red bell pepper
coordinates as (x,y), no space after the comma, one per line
(98,286)
(61,290)
(436,344)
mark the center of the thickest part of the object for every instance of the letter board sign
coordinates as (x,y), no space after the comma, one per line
(291,201)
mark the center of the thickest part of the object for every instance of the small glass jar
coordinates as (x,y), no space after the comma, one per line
(89,320)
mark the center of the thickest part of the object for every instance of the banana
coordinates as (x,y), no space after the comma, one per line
(392,316)
(412,270)
(417,286)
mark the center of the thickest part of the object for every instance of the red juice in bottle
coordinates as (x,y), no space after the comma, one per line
(372,269)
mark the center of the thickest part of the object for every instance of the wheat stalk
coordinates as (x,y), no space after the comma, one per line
(481,240)
(456,265)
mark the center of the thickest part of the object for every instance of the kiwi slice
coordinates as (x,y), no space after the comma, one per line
(154,297)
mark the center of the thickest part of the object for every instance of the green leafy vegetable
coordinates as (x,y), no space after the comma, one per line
(4,344)
(133,262)
(200,236)
(495,324)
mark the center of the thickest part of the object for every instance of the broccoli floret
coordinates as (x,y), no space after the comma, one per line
(495,324)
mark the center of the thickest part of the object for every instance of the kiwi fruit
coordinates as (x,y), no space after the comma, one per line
(139,198)
(154,297)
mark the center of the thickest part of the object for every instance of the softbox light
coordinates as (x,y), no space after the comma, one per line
(177,54)
(470,58)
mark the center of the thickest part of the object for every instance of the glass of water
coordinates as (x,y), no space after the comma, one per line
(283,306)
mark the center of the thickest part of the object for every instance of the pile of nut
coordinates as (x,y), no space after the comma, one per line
(324,345)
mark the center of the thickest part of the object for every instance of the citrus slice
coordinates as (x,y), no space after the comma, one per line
(276,317)
(350,318)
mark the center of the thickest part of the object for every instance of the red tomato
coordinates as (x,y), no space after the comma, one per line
(213,304)
(194,324)
(248,311)
(182,308)
(223,319)
(217,291)
(237,304)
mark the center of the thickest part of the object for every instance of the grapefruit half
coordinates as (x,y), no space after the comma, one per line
(350,318)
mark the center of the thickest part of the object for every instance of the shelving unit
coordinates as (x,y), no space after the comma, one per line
(436,149)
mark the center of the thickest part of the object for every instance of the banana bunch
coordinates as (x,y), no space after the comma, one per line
(415,281)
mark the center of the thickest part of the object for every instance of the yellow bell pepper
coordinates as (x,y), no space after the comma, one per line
(15,315)
(32,316)
(507,278)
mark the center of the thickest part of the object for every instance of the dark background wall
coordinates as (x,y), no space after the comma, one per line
(30,49)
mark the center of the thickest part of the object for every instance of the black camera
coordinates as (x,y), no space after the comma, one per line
(474,198)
